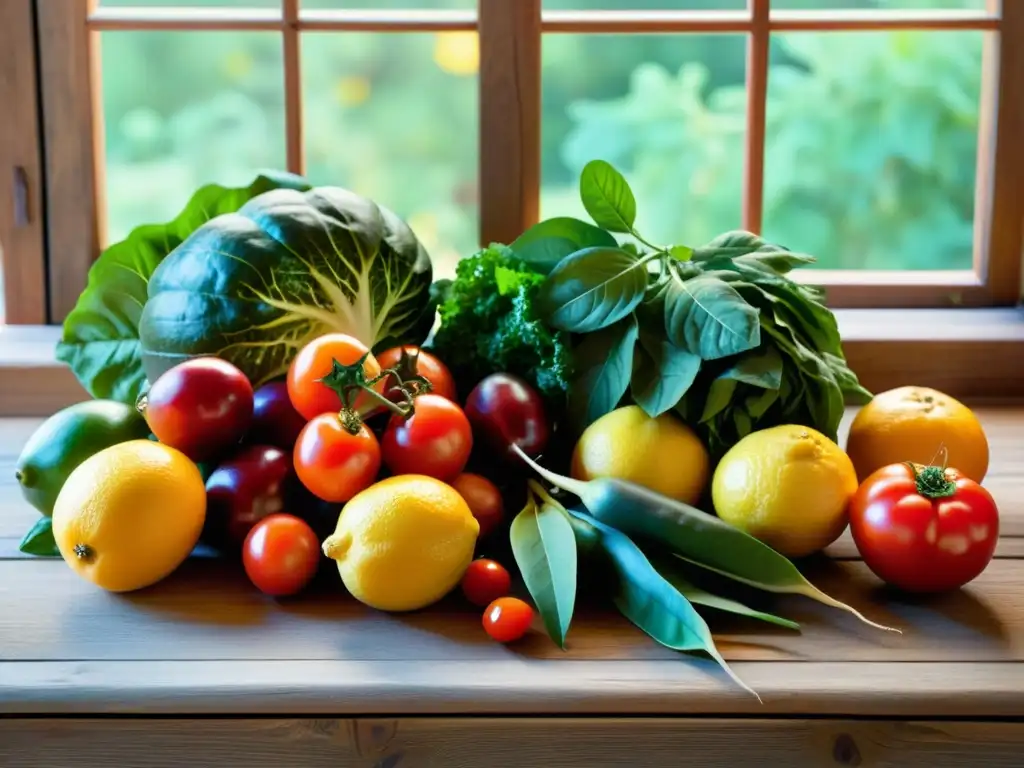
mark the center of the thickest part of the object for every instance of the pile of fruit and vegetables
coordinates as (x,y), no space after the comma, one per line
(279,379)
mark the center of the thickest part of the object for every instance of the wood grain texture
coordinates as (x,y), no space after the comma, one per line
(21,180)
(508,742)
(73,134)
(509,174)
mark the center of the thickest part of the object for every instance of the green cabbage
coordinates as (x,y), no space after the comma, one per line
(253,287)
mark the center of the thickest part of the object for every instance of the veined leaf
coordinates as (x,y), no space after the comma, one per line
(546,243)
(709,318)
(664,372)
(544,547)
(604,365)
(758,369)
(729,245)
(592,289)
(606,195)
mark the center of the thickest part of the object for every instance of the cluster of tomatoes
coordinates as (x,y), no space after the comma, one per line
(340,418)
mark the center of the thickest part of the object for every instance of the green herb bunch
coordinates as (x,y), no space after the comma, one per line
(719,333)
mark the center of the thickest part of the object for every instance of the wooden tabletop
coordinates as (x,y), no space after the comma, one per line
(205,642)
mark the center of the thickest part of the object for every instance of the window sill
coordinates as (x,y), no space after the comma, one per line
(974,354)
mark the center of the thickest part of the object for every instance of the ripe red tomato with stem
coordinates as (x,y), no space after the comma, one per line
(485,581)
(924,529)
(336,457)
(484,500)
(202,407)
(507,619)
(281,554)
(432,437)
(309,394)
(412,361)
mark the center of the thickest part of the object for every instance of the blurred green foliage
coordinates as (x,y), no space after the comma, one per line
(870,148)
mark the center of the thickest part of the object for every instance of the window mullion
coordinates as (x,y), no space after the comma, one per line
(509,133)
(292,54)
(757,97)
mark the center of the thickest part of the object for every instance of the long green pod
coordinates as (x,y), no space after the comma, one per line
(692,534)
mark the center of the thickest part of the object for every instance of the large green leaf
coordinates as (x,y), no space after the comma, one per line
(663,373)
(544,547)
(708,317)
(607,197)
(592,288)
(546,243)
(100,340)
(604,364)
(254,287)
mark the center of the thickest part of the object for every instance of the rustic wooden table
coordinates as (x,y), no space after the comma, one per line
(203,669)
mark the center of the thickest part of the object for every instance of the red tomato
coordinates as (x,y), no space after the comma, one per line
(507,619)
(484,500)
(505,410)
(485,581)
(427,366)
(923,529)
(311,397)
(333,463)
(435,440)
(202,407)
(281,554)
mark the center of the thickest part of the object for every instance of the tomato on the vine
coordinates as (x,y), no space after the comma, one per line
(281,554)
(308,394)
(924,529)
(333,461)
(435,440)
(485,581)
(507,619)
(427,365)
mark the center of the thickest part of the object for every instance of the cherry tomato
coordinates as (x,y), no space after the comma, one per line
(485,581)
(333,463)
(202,407)
(503,410)
(507,619)
(427,365)
(484,500)
(281,554)
(923,529)
(311,397)
(274,419)
(435,440)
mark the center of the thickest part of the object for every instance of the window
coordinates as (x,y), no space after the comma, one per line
(883,136)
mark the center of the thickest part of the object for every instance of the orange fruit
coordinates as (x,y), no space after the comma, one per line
(129,515)
(921,425)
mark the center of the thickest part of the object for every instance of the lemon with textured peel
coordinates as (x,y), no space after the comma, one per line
(662,454)
(789,486)
(130,514)
(403,543)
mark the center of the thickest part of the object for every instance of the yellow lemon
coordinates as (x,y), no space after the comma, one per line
(788,486)
(403,543)
(662,454)
(129,515)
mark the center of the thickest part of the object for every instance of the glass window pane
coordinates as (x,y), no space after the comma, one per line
(669,111)
(183,109)
(871,147)
(375,5)
(647,5)
(846,5)
(394,117)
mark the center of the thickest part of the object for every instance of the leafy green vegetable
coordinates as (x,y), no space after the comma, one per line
(39,540)
(253,287)
(543,245)
(604,365)
(488,323)
(544,547)
(708,317)
(607,197)
(648,600)
(663,372)
(100,339)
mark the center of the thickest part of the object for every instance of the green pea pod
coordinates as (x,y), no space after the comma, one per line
(691,534)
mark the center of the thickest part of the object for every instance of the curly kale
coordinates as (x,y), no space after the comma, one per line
(488,324)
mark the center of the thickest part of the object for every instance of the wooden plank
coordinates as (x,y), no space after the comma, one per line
(511,686)
(207,610)
(509,174)
(22,267)
(1000,212)
(73,131)
(508,742)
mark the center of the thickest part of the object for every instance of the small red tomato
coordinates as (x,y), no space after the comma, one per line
(507,619)
(924,529)
(281,554)
(435,440)
(484,500)
(202,407)
(308,394)
(427,365)
(333,463)
(485,581)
